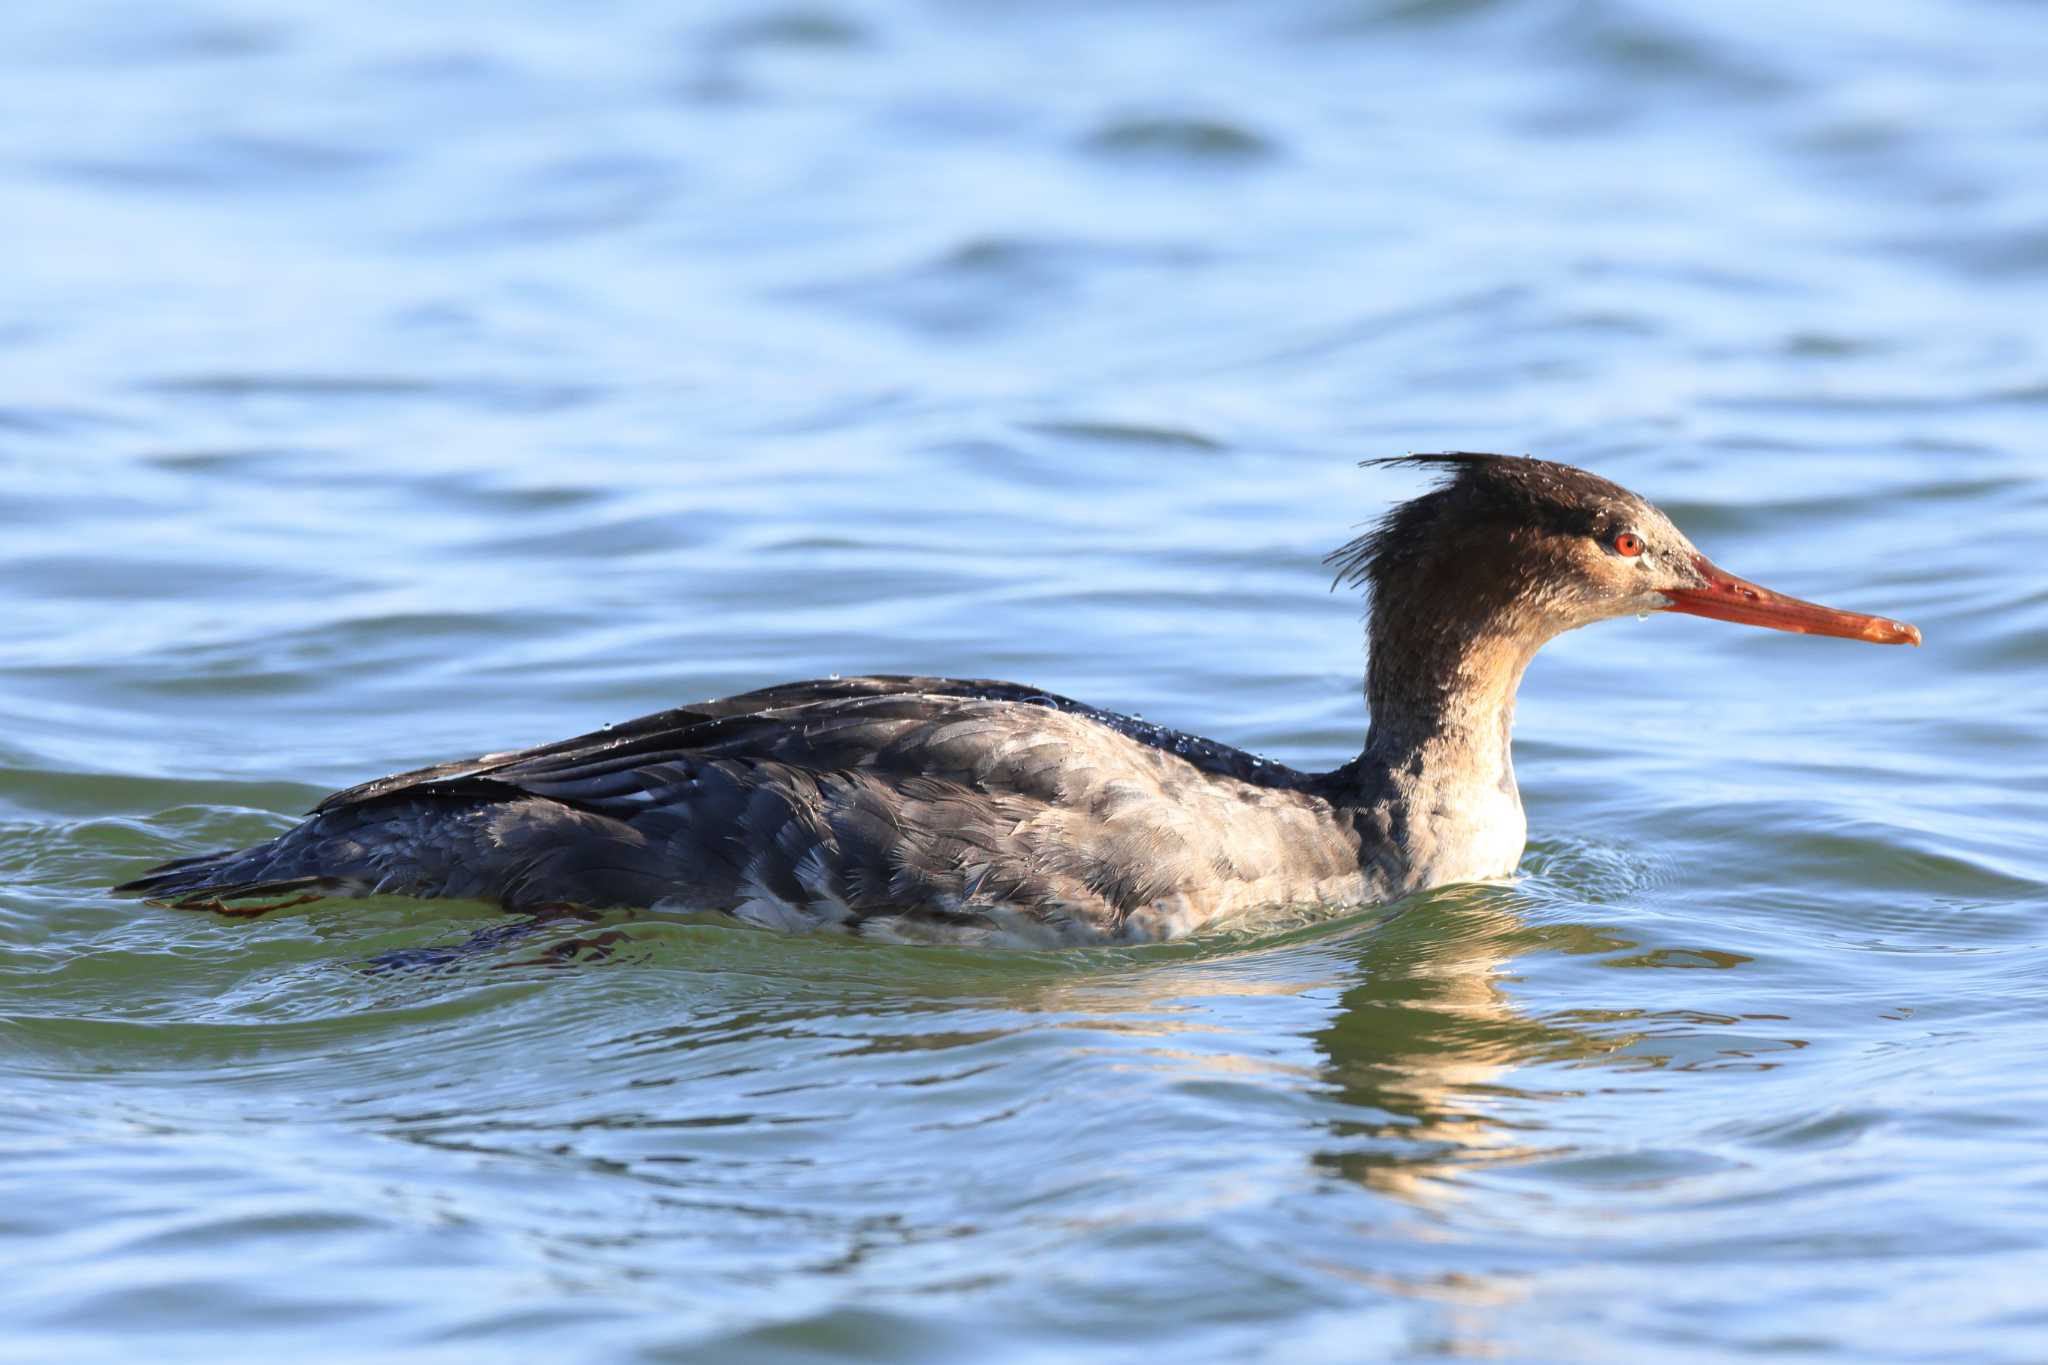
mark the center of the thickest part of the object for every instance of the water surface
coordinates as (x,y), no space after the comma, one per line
(381,387)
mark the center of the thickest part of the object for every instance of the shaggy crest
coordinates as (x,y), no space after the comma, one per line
(1514,490)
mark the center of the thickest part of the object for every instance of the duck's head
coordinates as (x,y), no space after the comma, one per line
(1507,547)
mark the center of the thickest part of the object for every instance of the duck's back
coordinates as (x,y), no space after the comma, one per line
(895,807)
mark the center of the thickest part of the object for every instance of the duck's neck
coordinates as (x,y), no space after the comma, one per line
(1434,790)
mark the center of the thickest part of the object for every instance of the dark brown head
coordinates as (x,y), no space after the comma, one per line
(1519,549)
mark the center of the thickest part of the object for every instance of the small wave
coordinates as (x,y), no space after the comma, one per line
(1181,140)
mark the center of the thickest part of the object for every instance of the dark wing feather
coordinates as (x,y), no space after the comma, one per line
(837,723)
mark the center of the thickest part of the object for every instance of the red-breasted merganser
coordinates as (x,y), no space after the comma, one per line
(911,809)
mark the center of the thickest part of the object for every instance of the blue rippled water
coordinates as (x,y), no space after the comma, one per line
(382,384)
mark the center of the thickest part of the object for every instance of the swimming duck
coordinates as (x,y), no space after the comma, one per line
(915,809)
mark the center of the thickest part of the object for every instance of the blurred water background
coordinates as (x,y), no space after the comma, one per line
(381,384)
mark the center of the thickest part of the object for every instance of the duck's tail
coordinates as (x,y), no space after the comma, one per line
(235,881)
(520,853)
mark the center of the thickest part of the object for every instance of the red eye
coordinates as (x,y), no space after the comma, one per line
(1628,543)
